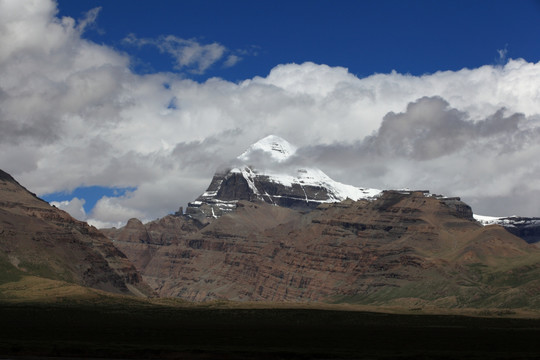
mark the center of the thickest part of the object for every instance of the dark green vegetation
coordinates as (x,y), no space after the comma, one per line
(131,329)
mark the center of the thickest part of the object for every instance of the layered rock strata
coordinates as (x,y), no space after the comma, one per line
(403,248)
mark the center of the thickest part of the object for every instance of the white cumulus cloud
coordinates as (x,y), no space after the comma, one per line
(75,207)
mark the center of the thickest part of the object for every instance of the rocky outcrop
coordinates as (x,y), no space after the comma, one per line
(403,248)
(141,242)
(41,240)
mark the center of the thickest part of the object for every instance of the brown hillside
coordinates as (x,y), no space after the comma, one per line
(402,249)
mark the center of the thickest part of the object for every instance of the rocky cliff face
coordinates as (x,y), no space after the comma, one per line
(403,248)
(141,242)
(41,240)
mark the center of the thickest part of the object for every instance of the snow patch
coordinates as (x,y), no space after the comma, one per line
(249,175)
(507,221)
(486,220)
(280,150)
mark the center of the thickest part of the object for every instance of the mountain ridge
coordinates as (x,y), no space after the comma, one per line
(400,249)
(527,228)
(37,239)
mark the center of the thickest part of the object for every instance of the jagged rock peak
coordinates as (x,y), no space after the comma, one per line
(278,148)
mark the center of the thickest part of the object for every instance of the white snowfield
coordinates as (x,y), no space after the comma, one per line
(280,150)
(507,221)
(486,220)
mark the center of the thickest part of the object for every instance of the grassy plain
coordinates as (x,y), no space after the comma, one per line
(43,318)
(122,327)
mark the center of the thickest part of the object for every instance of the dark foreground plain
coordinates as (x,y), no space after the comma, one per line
(150,331)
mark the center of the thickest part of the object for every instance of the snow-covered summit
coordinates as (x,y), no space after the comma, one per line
(278,148)
(281,150)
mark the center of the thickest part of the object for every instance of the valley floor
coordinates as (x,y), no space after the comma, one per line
(133,330)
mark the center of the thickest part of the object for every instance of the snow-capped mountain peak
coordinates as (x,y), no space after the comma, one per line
(278,148)
(275,182)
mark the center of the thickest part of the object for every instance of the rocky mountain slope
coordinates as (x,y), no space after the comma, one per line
(39,240)
(400,249)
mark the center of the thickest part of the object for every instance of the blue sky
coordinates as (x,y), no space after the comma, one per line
(366,37)
(119,109)
(91,195)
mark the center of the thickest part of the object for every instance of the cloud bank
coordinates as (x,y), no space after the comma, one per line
(73,114)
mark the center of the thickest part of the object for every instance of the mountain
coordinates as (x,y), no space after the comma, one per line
(405,249)
(328,242)
(265,172)
(39,241)
(272,177)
